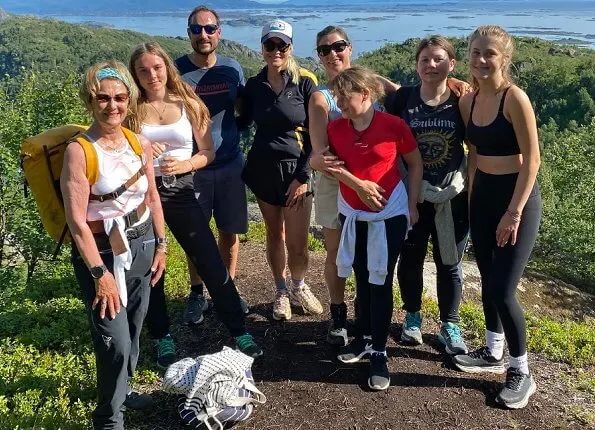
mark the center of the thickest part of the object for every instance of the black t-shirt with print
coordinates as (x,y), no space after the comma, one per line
(439,130)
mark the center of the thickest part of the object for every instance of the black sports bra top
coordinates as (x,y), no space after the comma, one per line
(495,139)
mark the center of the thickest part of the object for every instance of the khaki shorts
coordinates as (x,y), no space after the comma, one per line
(325,202)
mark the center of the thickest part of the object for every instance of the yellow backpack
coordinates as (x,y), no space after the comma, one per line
(42,157)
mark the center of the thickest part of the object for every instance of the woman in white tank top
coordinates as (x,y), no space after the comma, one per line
(173,118)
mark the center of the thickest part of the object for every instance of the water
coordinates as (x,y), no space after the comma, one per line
(374,25)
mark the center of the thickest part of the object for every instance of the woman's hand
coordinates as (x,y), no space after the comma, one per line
(173,166)
(371,194)
(106,295)
(324,160)
(158,265)
(460,88)
(413,215)
(507,229)
(296,194)
(158,149)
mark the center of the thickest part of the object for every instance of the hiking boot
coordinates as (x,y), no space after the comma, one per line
(281,307)
(518,387)
(245,343)
(411,329)
(452,339)
(479,361)
(337,331)
(137,401)
(195,308)
(302,296)
(358,349)
(166,351)
(379,377)
(244,305)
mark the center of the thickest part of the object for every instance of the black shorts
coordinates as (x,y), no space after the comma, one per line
(269,179)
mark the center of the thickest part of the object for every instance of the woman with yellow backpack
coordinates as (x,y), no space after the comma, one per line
(114,215)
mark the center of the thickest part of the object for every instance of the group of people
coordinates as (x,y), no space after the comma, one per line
(388,179)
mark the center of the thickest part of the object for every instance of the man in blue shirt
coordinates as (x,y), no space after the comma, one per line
(219,188)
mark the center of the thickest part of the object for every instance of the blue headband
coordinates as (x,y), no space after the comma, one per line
(110,72)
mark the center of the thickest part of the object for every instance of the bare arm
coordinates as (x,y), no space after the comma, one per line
(321,158)
(389,86)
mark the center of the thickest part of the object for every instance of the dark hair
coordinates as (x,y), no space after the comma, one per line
(330,30)
(203,8)
(438,42)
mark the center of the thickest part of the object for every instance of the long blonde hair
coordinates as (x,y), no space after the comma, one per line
(292,66)
(505,44)
(175,85)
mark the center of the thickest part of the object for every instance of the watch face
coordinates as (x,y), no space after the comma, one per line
(98,271)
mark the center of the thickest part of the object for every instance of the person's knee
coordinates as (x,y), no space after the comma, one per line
(229,240)
(297,251)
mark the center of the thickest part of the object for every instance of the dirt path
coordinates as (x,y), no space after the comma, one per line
(308,389)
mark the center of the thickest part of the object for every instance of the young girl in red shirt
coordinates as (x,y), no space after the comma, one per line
(369,143)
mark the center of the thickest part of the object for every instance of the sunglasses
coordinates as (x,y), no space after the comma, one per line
(270,46)
(338,46)
(197,28)
(105,99)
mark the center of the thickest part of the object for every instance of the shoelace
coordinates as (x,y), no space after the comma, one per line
(165,346)
(514,379)
(483,353)
(454,332)
(412,320)
(244,341)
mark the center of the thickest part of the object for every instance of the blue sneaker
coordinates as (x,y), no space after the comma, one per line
(411,329)
(452,339)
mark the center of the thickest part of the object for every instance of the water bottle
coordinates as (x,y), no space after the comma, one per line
(168,181)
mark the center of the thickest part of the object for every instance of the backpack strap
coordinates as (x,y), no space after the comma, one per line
(133,141)
(90,158)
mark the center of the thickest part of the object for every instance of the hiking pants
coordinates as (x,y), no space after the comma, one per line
(501,268)
(116,342)
(374,309)
(188,224)
(449,279)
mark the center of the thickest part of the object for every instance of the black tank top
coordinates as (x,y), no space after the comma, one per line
(495,139)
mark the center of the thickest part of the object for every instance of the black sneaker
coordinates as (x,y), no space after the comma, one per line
(245,343)
(137,401)
(379,377)
(358,349)
(479,361)
(518,387)
(337,331)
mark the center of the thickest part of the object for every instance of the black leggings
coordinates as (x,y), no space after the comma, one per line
(374,308)
(449,280)
(189,226)
(501,267)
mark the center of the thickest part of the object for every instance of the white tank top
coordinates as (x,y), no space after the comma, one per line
(115,168)
(177,138)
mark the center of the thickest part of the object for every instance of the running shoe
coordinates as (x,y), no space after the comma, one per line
(358,349)
(379,376)
(166,351)
(518,388)
(452,339)
(245,343)
(196,306)
(281,306)
(411,329)
(302,296)
(479,361)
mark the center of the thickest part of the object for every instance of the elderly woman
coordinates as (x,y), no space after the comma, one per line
(276,170)
(116,222)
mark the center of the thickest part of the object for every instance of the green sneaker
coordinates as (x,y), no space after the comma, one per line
(452,339)
(245,343)
(166,351)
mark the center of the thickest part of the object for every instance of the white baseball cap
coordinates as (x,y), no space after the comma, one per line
(277,28)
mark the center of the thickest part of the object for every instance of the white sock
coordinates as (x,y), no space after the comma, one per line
(495,343)
(520,363)
(297,283)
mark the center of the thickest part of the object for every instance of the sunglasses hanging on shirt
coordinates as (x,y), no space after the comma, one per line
(338,46)
(270,46)
(210,29)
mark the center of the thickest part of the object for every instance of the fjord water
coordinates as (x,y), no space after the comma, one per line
(372,25)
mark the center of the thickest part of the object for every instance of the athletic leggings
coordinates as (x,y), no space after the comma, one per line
(374,309)
(449,279)
(187,222)
(501,268)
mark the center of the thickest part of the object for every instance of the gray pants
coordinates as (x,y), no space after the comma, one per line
(116,342)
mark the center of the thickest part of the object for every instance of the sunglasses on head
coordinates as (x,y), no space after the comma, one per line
(270,46)
(118,98)
(197,28)
(338,46)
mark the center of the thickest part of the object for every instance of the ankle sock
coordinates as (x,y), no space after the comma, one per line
(198,288)
(520,363)
(495,343)
(297,283)
(339,314)
(281,285)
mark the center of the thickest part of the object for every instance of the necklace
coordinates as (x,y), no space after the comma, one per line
(114,147)
(159,114)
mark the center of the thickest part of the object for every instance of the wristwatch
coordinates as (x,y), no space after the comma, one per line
(98,271)
(161,240)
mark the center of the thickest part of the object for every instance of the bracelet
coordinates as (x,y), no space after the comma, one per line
(515,215)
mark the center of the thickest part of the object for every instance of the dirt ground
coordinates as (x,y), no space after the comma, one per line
(307,388)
